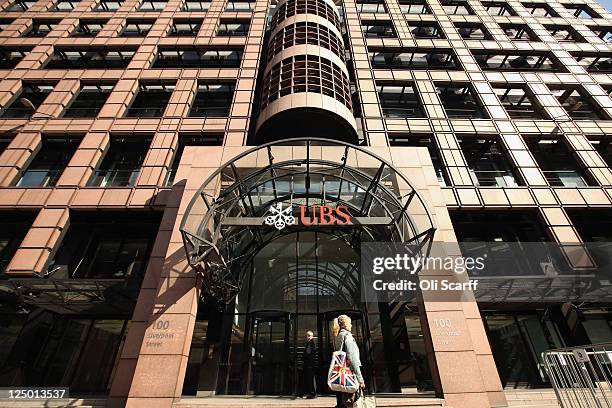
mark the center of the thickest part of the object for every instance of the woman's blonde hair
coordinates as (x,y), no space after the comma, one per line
(340,322)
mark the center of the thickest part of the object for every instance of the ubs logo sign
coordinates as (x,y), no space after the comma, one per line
(309,215)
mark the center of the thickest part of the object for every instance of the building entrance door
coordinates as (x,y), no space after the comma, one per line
(269,369)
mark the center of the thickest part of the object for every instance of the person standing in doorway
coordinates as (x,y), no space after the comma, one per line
(308,372)
(343,339)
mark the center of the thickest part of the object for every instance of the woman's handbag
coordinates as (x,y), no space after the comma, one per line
(340,376)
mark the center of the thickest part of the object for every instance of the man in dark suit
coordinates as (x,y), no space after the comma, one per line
(309,359)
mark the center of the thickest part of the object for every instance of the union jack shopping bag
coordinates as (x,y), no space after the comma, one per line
(340,376)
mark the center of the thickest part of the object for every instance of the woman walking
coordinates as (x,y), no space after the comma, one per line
(341,330)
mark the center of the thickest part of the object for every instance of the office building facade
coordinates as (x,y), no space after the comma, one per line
(185,187)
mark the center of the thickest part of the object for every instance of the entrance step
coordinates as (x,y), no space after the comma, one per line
(61,403)
(320,402)
(540,398)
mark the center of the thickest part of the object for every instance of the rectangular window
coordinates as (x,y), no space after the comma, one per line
(556,162)
(400,101)
(459,101)
(605,33)
(604,148)
(487,162)
(378,29)
(576,102)
(564,33)
(595,62)
(89,101)
(122,162)
(582,11)
(137,28)
(498,8)
(10,57)
(414,7)
(90,58)
(27,101)
(21,5)
(108,5)
(425,29)
(371,6)
(88,28)
(233,28)
(518,101)
(239,6)
(106,245)
(429,143)
(40,28)
(457,7)
(204,139)
(513,61)
(49,163)
(540,10)
(413,59)
(519,32)
(15,226)
(150,101)
(212,100)
(185,28)
(196,5)
(152,5)
(65,5)
(4,23)
(473,31)
(197,58)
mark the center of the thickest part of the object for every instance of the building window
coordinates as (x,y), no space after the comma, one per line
(425,29)
(150,101)
(88,28)
(564,33)
(457,7)
(66,5)
(488,163)
(576,102)
(378,29)
(9,58)
(196,5)
(605,33)
(556,162)
(137,28)
(212,100)
(305,32)
(595,62)
(197,58)
(40,28)
(429,143)
(185,28)
(4,23)
(371,6)
(152,5)
(122,162)
(239,6)
(233,28)
(519,32)
(422,59)
(473,31)
(459,101)
(540,10)
(518,101)
(90,58)
(104,245)
(414,7)
(400,101)
(581,11)
(49,163)
(21,5)
(498,8)
(28,100)
(205,139)
(513,61)
(89,101)
(595,229)
(604,148)
(108,5)
(15,226)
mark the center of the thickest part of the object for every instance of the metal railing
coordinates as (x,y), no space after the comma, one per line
(581,376)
